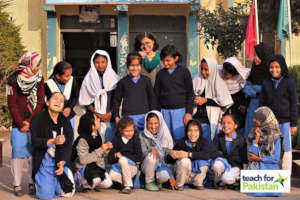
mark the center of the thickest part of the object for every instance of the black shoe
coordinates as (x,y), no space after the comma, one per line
(180,188)
(97,189)
(31,189)
(199,187)
(126,190)
(18,191)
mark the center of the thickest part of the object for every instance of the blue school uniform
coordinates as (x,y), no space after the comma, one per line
(267,163)
(20,142)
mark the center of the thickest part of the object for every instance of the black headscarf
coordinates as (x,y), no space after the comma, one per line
(281,60)
(260,72)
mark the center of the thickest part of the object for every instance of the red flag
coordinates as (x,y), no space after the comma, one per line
(251,33)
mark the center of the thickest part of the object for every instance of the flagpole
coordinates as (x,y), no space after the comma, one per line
(290,29)
(256,22)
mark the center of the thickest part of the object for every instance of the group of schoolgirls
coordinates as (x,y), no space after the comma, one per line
(174,147)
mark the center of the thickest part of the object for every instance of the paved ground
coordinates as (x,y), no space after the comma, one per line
(111,194)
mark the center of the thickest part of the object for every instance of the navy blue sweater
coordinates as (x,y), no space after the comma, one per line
(174,90)
(138,98)
(281,100)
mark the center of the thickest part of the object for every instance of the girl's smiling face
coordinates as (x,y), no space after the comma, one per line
(65,77)
(204,70)
(135,68)
(275,69)
(193,133)
(128,131)
(170,62)
(153,125)
(147,45)
(56,102)
(100,64)
(228,125)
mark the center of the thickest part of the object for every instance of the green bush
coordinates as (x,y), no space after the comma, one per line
(294,73)
(11,49)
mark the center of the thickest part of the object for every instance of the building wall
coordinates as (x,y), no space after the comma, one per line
(31,18)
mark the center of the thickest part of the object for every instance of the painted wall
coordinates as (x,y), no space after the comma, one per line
(29,15)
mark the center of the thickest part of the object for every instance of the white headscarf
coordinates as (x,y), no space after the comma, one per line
(236,83)
(215,89)
(164,138)
(91,89)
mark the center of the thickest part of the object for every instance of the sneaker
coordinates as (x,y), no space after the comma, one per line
(31,189)
(159,185)
(152,187)
(18,191)
(199,187)
(126,190)
(180,188)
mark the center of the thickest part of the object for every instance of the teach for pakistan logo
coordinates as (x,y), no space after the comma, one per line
(280,180)
(262,183)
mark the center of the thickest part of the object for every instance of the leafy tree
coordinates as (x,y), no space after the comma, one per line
(222,28)
(11,49)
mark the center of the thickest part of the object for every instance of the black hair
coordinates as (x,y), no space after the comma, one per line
(203,61)
(98,55)
(124,122)
(133,55)
(193,122)
(229,68)
(60,68)
(86,122)
(232,117)
(151,115)
(170,50)
(138,41)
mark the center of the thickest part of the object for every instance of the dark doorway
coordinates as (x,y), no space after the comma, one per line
(79,47)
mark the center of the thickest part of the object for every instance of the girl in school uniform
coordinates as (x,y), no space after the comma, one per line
(212,98)
(125,155)
(51,137)
(279,94)
(90,151)
(174,91)
(136,92)
(192,155)
(25,96)
(62,81)
(232,148)
(264,146)
(235,76)
(259,72)
(157,142)
(147,46)
(97,91)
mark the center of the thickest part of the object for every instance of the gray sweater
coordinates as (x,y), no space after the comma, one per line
(84,157)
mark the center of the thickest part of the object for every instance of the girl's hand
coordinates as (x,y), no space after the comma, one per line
(173,184)
(26,126)
(60,169)
(117,119)
(142,53)
(118,155)
(174,154)
(257,134)
(200,100)
(106,146)
(110,145)
(253,157)
(187,117)
(293,130)
(51,141)
(154,152)
(183,154)
(107,117)
(67,112)
(60,139)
